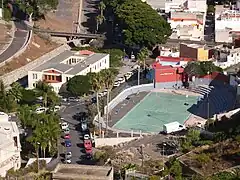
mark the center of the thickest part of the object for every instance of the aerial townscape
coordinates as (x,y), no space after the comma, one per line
(120,89)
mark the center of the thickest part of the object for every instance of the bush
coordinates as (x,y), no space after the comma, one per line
(203,158)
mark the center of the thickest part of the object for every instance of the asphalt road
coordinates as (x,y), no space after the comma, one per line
(209,28)
(89,12)
(20,36)
(77,143)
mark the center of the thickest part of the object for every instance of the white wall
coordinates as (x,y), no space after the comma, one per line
(223,24)
(34,77)
(197,5)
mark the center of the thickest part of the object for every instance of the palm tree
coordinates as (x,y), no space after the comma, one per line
(101,7)
(96,82)
(99,20)
(16,91)
(108,77)
(25,116)
(142,55)
(46,91)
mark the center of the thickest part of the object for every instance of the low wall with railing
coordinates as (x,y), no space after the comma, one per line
(125,93)
(19,73)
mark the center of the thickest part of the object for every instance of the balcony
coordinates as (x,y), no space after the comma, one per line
(52,78)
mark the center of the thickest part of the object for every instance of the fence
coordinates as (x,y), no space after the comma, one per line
(17,74)
(125,93)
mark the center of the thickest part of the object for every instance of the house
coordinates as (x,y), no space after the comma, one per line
(227,26)
(196,51)
(66,65)
(187,25)
(10,146)
(226,57)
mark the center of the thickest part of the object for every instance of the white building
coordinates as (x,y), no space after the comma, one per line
(187,25)
(10,146)
(179,5)
(226,24)
(66,65)
(227,57)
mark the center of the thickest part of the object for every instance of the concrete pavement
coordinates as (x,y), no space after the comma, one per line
(19,38)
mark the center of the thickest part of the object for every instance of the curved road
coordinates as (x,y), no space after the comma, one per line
(19,38)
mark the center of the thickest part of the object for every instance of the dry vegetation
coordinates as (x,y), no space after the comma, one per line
(62,19)
(211,159)
(32,52)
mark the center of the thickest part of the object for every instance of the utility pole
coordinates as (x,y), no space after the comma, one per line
(138,75)
(141,147)
(2,9)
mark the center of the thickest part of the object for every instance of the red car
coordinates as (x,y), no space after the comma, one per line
(67,136)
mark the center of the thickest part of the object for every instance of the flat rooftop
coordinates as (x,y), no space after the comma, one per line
(73,171)
(73,69)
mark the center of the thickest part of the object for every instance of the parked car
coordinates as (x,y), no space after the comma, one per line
(68,143)
(73,99)
(64,125)
(41,110)
(67,136)
(121,80)
(56,108)
(68,161)
(68,155)
(116,84)
(66,131)
(86,137)
(84,126)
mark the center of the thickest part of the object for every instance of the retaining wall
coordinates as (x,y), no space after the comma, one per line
(125,93)
(17,74)
(99,142)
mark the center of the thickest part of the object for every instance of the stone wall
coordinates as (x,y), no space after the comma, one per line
(17,74)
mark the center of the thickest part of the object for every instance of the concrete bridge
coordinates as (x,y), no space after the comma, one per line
(70,35)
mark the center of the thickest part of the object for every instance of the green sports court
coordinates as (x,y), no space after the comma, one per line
(156,109)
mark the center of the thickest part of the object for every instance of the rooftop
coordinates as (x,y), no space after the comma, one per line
(173,59)
(73,171)
(55,63)
(197,46)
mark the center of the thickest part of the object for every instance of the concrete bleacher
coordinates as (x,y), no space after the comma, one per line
(213,100)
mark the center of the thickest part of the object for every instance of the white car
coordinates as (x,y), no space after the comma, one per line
(64,125)
(121,80)
(86,137)
(68,155)
(56,108)
(40,110)
(116,84)
(68,161)
(128,75)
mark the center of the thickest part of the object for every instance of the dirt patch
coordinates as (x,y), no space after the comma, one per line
(62,19)
(5,37)
(36,49)
(211,159)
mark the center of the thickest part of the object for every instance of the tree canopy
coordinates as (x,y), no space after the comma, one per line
(141,25)
(79,85)
(197,68)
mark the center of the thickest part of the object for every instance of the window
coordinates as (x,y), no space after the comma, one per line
(53,77)
(95,67)
(100,64)
(34,84)
(49,77)
(34,76)
(105,61)
(67,79)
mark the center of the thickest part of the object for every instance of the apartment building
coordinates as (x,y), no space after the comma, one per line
(10,146)
(187,25)
(196,51)
(66,65)
(227,26)
(226,57)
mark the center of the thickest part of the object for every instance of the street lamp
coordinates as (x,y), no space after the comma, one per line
(138,75)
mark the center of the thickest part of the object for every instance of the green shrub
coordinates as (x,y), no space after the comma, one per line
(203,158)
